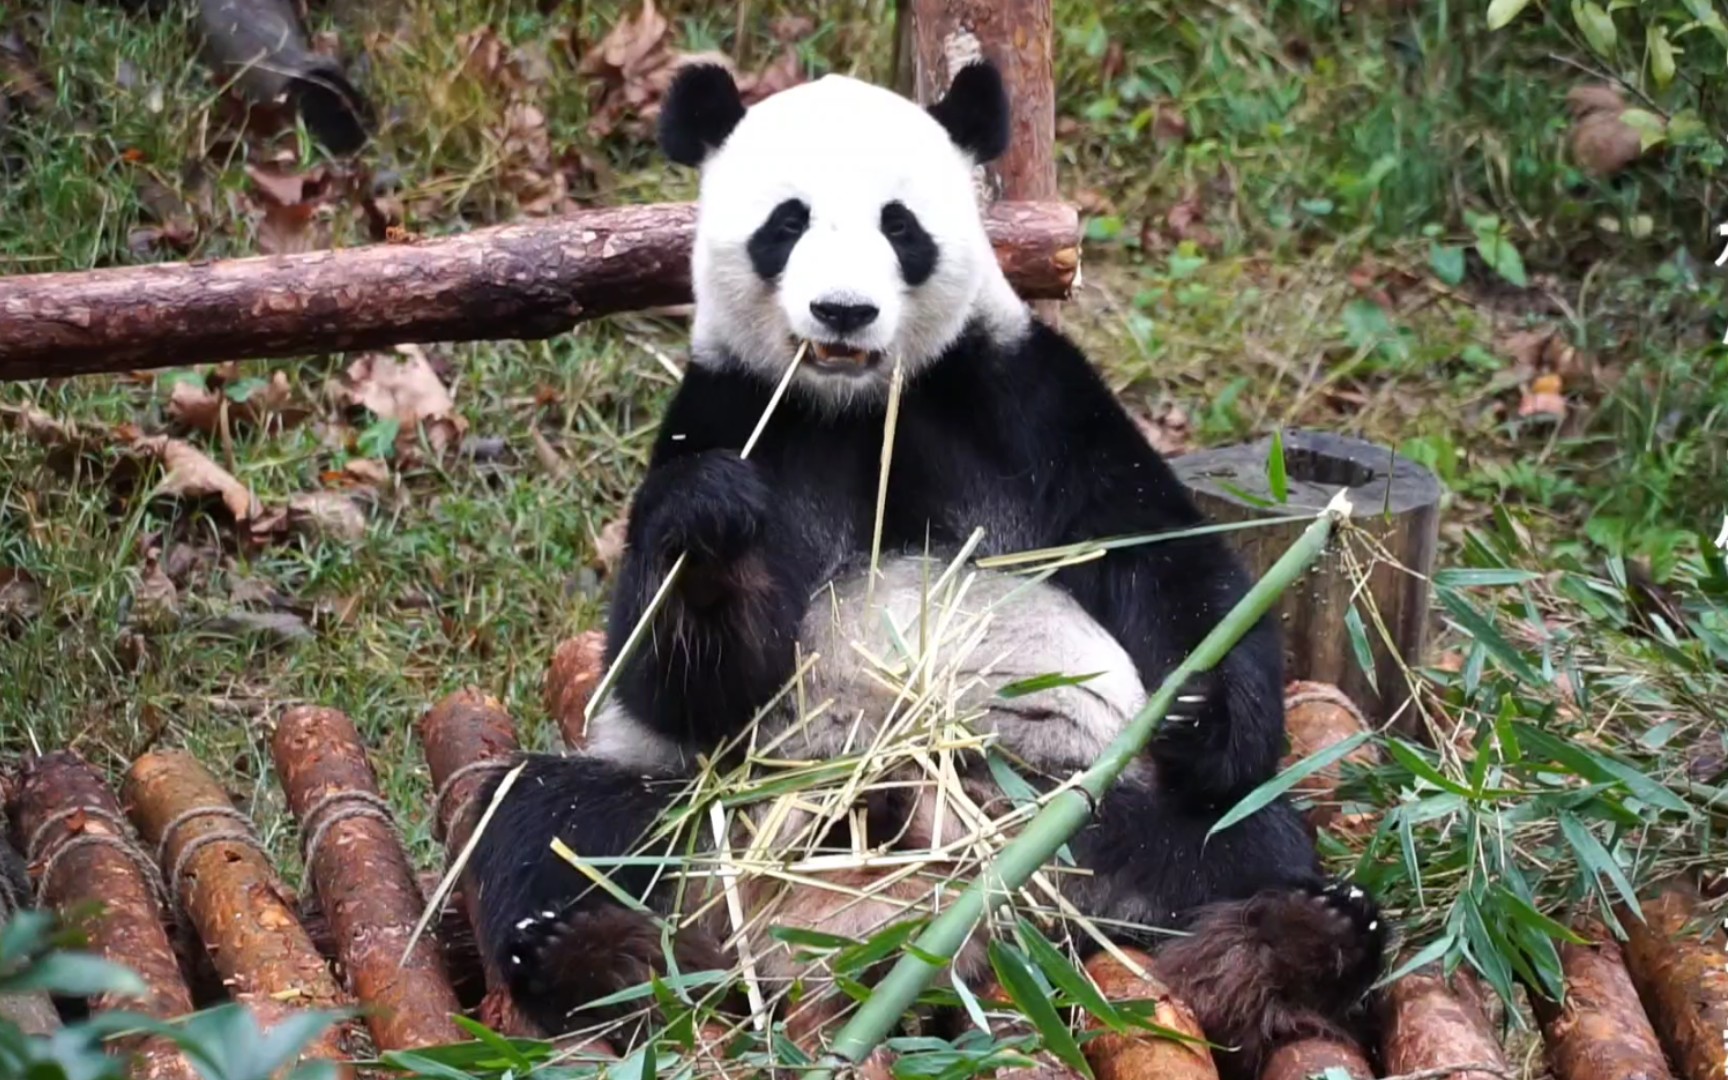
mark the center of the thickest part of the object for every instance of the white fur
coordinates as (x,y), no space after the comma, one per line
(845,148)
(1000,630)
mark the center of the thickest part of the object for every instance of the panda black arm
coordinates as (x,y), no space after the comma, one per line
(725,641)
(1099,478)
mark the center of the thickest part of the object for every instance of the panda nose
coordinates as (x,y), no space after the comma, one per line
(843,318)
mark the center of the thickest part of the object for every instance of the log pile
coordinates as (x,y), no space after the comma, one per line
(177,850)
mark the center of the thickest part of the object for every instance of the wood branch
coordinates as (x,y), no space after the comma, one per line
(1601,1032)
(524,281)
(466,730)
(1397,511)
(1015,35)
(1426,1025)
(225,881)
(576,668)
(1145,1056)
(364,881)
(461,955)
(1679,962)
(1313,1057)
(77,839)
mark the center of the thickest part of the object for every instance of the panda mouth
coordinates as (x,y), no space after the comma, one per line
(836,357)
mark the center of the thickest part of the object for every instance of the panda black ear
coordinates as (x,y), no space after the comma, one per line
(974,111)
(701,108)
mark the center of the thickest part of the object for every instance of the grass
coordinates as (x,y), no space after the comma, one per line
(1325,245)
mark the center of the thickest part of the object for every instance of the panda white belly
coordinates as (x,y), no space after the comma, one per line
(964,634)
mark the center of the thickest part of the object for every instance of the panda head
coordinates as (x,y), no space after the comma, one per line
(840,214)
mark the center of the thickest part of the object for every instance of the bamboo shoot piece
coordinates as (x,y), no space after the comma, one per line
(78,838)
(1145,1056)
(225,881)
(576,668)
(1601,1032)
(365,884)
(1429,1026)
(1679,964)
(1312,1057)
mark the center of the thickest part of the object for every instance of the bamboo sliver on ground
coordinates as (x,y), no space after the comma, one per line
(1064,813)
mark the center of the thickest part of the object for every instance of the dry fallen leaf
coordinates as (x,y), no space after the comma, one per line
(188,472)
(405,388)
(1168,429)
(334,515)
(1602,142)
(1187,221)
(20,596)
(260,404)
(609,546)
(1543,398)
(158,598)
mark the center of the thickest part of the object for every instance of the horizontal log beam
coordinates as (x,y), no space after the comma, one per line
(524,281)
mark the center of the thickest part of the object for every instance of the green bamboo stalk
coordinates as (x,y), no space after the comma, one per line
(1063,816)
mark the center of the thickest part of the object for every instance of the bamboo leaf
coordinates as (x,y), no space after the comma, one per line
(1275,476)
(1501,12)
(1264,794)
(1478,626)
(1598,859)
(1359,646)
(1017,981)
(1039,683)
(1066,977)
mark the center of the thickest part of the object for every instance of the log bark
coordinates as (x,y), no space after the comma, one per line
(76,837)
(576,669)
(937,36)
(524,281)
(1144,1056)
(462,733)
(1682,977)
(461,954)
(1601,1032)
(1398,508)
(1312,1057)
(226,884)
(1317,717)
(1426,1025)
(32,1013)
(364,881)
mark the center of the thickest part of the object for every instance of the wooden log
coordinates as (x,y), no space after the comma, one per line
(76,837)
(576,667)
(1398,508)
(937,36)
(1317,717)
(526,281)
(1305,1058)
(1601,1032)
(32,1013)
(1144,1056)
(1678,962)
(1426,1025)
(468,738)
(461,954)
(214,863)
(364,881)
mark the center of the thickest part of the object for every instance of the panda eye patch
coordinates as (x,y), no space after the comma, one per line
(772,242)
(914,247)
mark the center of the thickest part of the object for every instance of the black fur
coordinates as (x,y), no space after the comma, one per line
(913,246)
(701,108)
(975,111)
(771,244)
(1027,441)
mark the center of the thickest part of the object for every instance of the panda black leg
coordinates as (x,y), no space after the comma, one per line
(558,939)
(1286,964)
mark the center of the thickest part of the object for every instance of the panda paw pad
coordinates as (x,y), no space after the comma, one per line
(533,939)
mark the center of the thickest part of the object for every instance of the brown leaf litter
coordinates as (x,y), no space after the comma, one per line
(633,66)
(1603,143)
(1543,363)
(404,388)
(224,398)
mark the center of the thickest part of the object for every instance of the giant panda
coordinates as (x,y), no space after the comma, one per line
(840,216)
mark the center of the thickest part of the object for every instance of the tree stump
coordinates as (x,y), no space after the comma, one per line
(1397,507)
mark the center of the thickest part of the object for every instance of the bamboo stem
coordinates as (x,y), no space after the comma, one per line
(1063,815)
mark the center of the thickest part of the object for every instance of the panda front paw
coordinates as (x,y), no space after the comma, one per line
(711,506)
(1348,928)
(1195,731)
